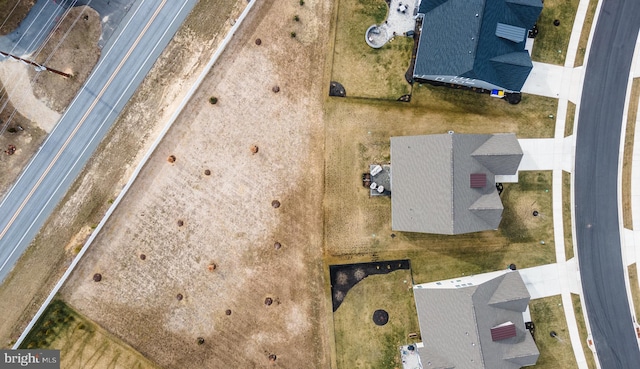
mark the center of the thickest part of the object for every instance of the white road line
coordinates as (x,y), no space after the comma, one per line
(73,133)
(101,125)
(73,102)
(135,174)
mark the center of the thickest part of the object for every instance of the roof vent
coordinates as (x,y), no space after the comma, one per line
(478,180)
(503,331)
(511,33)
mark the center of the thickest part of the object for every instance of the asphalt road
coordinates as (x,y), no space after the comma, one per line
(45,14)
(111,12)
(128,56)
(35,27)
(596,184)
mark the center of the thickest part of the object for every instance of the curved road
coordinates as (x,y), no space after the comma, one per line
(596,184)
(126,59)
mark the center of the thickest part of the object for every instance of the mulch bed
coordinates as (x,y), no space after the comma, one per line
(345,276)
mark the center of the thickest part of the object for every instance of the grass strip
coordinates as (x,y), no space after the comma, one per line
(570,120)
(566,215)
(635,288)
(586,31)
(627,161)
(582,331)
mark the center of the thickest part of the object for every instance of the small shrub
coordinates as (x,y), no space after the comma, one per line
(213,100)
(293,34)
(301,2)
(296,18)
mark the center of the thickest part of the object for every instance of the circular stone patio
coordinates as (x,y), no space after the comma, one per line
(400,20)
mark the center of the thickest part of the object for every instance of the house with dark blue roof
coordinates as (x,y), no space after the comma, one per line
(475,43)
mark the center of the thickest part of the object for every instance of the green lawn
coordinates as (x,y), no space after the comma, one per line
(82,343)
(627,159)
(362,70)
(358,228)
(548,315)
(582,330)
(571,116)
(362,344)
(566,215)
(584,35)
(466,111)
(550,45)
(635,288)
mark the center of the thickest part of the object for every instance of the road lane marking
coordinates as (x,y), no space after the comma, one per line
(79,125)
(99,128)
(73,102)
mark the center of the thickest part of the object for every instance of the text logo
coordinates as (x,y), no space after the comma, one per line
(37,359)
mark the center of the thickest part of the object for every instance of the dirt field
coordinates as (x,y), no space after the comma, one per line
(49,254)
(22,133)
(228,217)
(74,52)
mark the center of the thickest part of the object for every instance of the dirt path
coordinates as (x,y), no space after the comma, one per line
(15,76)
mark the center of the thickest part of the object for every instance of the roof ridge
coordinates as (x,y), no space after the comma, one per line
(452,184)
(475,326)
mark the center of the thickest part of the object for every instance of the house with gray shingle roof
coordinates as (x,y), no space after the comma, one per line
(475,43)
(475,323)
(445,183)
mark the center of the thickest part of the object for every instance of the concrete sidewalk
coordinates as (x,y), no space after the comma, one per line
(547,154)
(548,80)
(630,238)
(544,281)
